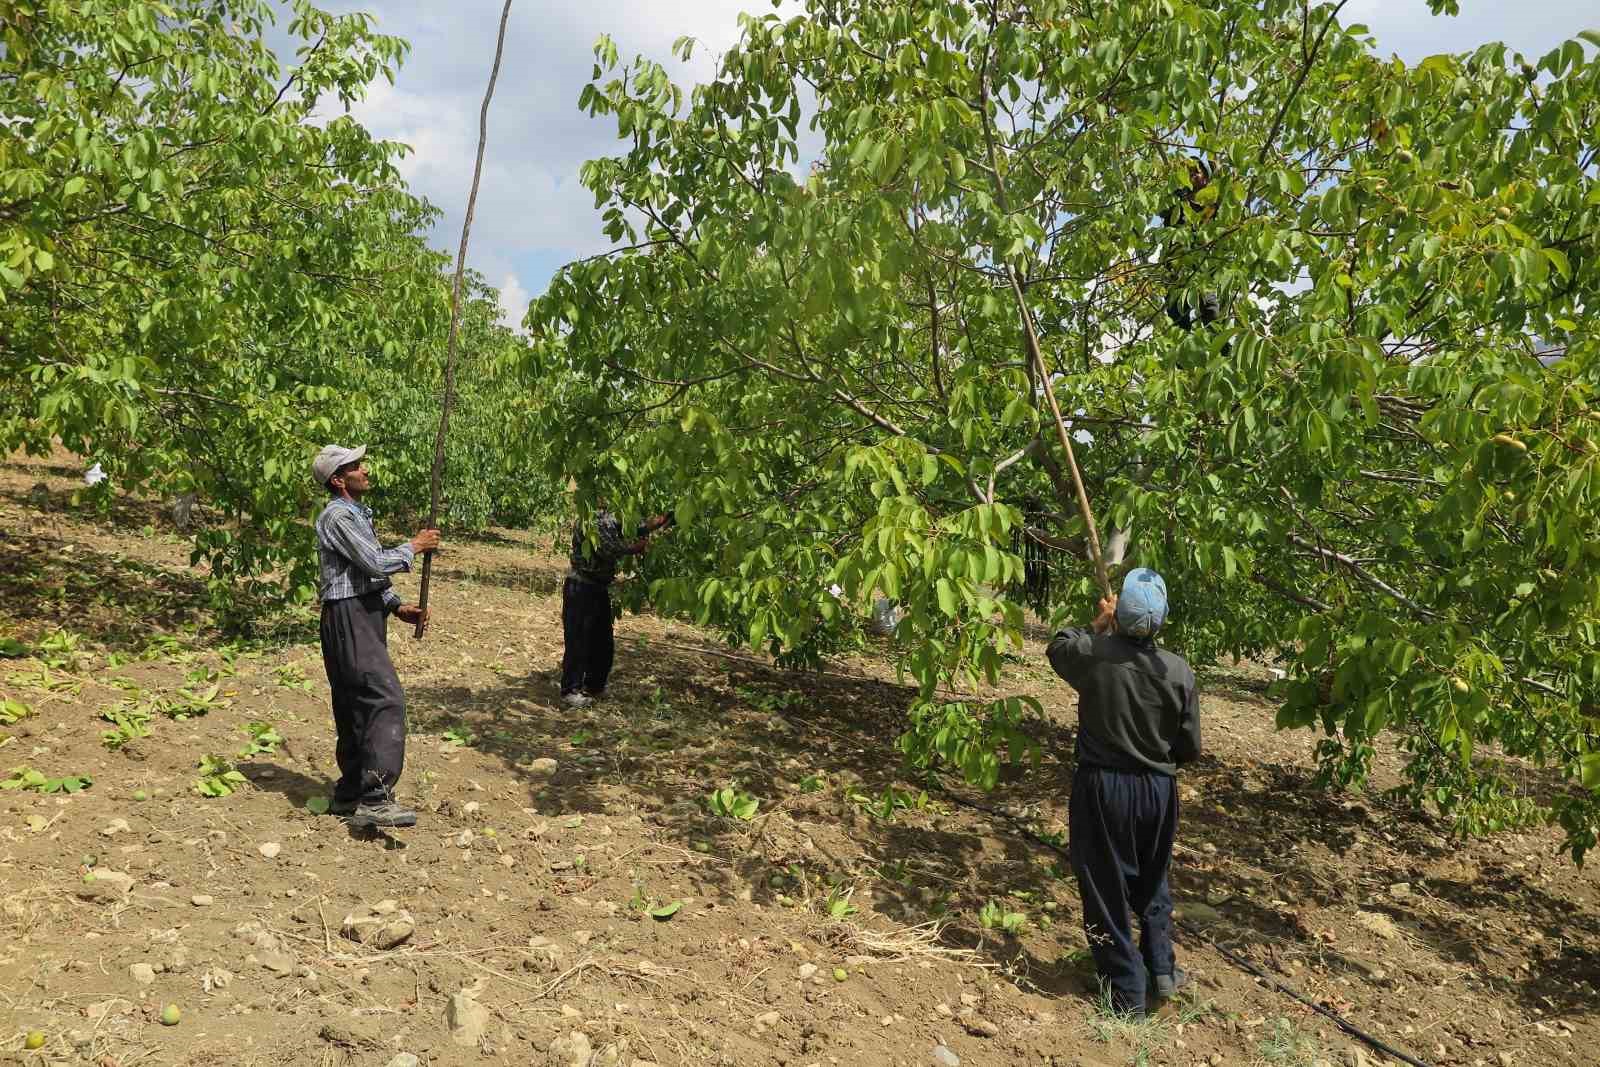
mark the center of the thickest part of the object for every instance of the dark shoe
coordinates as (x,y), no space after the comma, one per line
(383,814)
(1167,986)
(342,808)
(1126,1007)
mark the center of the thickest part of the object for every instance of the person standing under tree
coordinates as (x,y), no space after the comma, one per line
(589,643)
(1138,721)
(369,706)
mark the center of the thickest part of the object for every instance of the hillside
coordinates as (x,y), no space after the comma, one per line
(529,917)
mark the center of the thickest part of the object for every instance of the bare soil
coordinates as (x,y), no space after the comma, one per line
(832,928)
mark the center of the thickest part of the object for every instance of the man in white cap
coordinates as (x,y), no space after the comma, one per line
(369,707)
(1138,721)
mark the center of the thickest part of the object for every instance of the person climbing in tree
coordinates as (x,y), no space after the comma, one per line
(1138,721)
(589,646)
(1188,203)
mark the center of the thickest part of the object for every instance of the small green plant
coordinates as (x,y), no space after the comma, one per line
(129,722)
(892,800)
(813,783)
(1286,1046)
(898,872)
(35,781)
(290,676)
(11,648)
(994,916)
(458,736)
(45,680)
(189,704)
(164,646)
(13,711)
(60,651)
(837,903)
(649,905)
(264,739)
(1144,1034)
(218,777)
(772,703)
(202,675)
(580,738)
(731,803)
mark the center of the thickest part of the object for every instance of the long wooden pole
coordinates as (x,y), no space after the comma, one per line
(1100,572)
(1035,356)
(455,316)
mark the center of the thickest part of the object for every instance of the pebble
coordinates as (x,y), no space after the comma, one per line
(142,973)
(201,900)
(574,1050)
(270,849)
(1400,890)
(468,1020)
(807,971)
(945,1058)
(544,766)
(105,885)
(277,962)
(404,1059)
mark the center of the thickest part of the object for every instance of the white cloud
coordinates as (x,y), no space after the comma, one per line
(513,302)
(531,211)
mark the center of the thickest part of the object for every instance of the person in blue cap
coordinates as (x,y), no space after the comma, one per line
(1138,721)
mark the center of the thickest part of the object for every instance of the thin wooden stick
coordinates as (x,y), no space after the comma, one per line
(455,318)
(1100,573)
(1034,355)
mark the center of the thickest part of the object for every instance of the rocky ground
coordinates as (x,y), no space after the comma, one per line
(569,898)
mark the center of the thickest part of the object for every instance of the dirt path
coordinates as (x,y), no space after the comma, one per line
(841,925)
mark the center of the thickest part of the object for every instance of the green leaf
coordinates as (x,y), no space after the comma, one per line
(665,911)
(1589,764)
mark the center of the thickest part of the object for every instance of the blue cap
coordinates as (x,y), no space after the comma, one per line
(1142,606)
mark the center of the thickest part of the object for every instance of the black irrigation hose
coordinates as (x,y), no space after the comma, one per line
(1232,957)
(1338,1020)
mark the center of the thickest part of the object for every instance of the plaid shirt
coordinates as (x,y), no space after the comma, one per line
(353,562)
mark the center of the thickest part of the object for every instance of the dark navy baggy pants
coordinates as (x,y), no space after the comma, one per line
(369,707)
(1122,825)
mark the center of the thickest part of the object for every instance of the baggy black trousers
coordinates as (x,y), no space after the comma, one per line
(369,707)
(589,644)
(1122,824)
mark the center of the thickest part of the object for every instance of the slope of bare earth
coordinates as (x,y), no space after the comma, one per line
(568,898)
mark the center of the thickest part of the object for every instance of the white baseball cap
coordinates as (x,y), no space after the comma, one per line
(331,458)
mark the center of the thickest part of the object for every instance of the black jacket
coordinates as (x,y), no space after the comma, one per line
(1138,709)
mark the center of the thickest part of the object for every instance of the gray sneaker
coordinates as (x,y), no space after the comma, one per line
(342,808)
(577,700)
(384,814)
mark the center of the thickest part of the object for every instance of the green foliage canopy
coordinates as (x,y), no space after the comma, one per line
(202,279)
(1366,467)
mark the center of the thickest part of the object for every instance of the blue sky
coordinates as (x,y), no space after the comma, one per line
(533,215)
